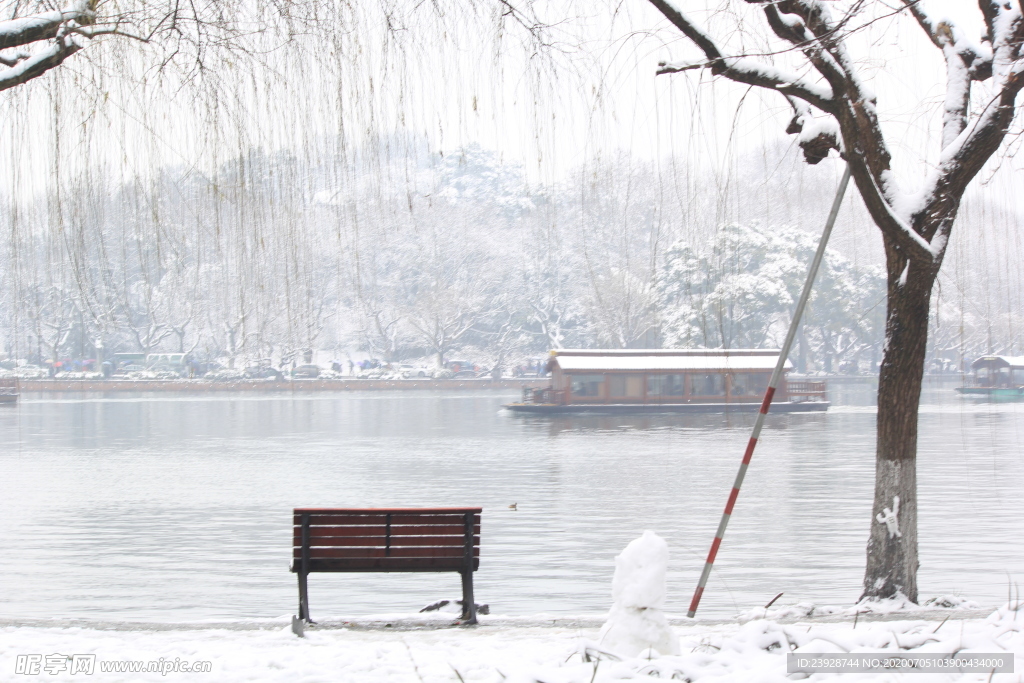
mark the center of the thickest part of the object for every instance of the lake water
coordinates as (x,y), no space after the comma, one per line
(171,508)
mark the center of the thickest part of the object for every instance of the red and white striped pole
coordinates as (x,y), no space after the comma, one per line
(794,325)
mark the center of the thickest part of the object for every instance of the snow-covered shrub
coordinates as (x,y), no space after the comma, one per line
(225,375)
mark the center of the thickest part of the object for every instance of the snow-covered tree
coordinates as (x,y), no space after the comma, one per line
(834,108)
(38,36)
(739,292)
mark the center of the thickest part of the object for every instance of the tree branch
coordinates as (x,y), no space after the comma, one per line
(38,64)
(740,69)
(964,156)
(43,26)
(795,31)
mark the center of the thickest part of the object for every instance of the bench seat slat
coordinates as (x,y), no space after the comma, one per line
(374,511)
(382,540)
(339,553)
(388,564)
(380,529)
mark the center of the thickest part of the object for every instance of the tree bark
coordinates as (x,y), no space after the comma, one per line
(892,559)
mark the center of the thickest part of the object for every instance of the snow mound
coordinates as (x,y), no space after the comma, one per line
(804,610)
(756,651)
(636,623)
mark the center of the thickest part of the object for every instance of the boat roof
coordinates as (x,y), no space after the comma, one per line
(600,360)
(999,362)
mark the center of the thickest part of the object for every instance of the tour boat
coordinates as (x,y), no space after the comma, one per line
(667,380)
(8,391)
(998,377)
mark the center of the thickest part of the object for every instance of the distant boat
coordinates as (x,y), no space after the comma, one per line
(8,391)
(667,380)
(996,377)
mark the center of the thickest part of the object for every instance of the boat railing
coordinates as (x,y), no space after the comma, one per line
(807,391)
(546,396)
(8,387)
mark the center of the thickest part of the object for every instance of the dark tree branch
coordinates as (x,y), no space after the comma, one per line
(38,64)
(793,28)
(739,69)
(44,26)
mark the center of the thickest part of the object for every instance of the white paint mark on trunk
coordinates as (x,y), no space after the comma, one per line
(889,519)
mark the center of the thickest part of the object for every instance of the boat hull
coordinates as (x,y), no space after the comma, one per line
(1008,393)
(8,398)
(617,408)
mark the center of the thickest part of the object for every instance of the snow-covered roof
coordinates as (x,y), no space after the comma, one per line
(664,360)
(999,361)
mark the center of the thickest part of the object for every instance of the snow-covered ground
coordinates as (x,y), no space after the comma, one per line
(416,648)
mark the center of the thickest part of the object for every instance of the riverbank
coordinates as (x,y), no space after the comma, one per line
(199,386)
(202,386)
(513,650)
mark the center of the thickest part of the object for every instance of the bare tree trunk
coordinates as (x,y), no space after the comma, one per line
(892,560)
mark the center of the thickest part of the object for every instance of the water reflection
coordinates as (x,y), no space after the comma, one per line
(178,508)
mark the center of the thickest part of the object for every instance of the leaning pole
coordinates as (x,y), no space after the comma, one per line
(794,325)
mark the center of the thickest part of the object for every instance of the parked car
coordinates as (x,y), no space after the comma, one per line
(308,371)
(262,370)
(131,367)
(31,372)
(457,366)
(167,370)
(413,371)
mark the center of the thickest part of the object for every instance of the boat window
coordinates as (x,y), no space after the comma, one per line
(708,385)
(586,385)
(1018,376)
(664,385)
(749,384)
(626,386)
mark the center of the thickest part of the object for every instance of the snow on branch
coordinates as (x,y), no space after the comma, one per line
(809,26)
(26,30)
(911,242)
(947,34)
(969,145)
(740,69)
(815,135)
(55,26)
(793,28)
(42,61)
(751,72)
(676,67)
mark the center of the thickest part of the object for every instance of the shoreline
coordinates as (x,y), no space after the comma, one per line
(442,620)
(199,386)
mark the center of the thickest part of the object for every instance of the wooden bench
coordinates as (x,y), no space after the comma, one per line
(387,540)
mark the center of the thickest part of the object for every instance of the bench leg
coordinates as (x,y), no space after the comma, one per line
(468,601)
(303,599)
